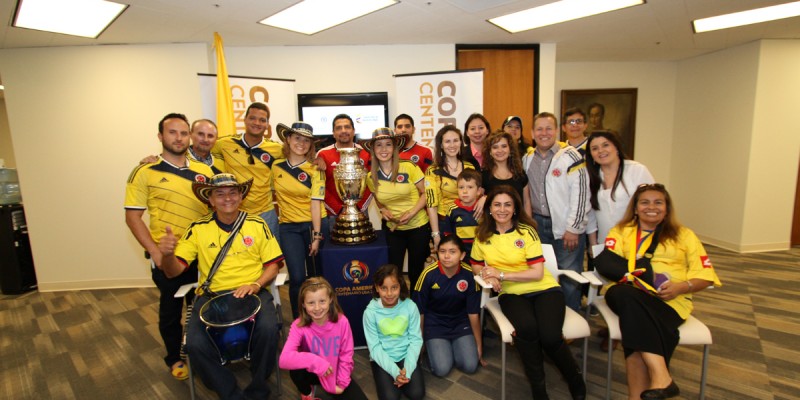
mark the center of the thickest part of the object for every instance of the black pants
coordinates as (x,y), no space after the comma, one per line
(415,241)
(384,384)
(304,380)
(170,309)
(647,323)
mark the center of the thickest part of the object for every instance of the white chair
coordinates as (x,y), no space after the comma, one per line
(692,332)
(279,280)
(574,327)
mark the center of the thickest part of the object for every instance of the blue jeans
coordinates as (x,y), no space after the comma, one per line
(567,259)
(295,240)
(271,218)
(263,350)
(442,353)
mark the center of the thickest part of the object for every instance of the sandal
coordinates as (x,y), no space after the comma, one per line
(180,371)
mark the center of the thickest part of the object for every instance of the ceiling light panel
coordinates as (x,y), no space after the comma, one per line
(558,12)
(748,17)
(312,16)
(86,18)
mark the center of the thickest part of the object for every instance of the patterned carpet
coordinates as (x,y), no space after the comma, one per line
(105,344)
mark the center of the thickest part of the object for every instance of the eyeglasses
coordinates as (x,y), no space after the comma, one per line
(575,121)
(646,186)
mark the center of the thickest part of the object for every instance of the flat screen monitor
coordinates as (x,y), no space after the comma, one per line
(368,111)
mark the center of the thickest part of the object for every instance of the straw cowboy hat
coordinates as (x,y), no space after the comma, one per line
(298,128)
(383,133)
(203,189)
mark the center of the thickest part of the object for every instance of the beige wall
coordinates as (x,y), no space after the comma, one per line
(774,148)
(738,176)
(655,103)
(6,146)
(81,118)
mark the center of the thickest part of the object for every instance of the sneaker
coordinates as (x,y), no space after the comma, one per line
(593,311)
(309,396)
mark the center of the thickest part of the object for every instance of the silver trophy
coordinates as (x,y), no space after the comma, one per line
(352,226)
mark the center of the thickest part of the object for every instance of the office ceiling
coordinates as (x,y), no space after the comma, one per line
(659,30)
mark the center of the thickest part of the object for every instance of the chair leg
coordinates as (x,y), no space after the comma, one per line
(503,372)
(608,370)
(703,373)
(585,356)
(191,379)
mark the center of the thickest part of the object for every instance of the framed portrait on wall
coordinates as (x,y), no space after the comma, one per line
(606,109)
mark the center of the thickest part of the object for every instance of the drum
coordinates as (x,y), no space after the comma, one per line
(229,324)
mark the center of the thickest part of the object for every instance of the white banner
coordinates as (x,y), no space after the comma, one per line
(277,94)
(436,99)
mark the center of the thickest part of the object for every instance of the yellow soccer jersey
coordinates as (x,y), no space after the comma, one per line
(399,193)
(217,165)
(295,187)
(514,251)
(165,191)
(253,248)
(441,188)
(679,260)
(236,156)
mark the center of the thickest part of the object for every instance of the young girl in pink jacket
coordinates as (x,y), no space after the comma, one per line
(319,349)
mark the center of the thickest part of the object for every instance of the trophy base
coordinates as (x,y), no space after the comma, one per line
(352,230)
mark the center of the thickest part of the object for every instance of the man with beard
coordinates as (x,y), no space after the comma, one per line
(250,156)
(164,189)
(344,133)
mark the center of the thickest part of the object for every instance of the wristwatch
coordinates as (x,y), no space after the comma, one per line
(502,276)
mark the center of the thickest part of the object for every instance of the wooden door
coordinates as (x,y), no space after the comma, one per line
(509,81)
(796,219)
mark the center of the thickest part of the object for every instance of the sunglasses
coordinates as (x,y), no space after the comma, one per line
(646,186)
(250,159)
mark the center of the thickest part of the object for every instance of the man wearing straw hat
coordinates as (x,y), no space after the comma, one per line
(246,257)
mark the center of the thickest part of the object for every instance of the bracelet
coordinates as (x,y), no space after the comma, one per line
(691,287)
(502,276)
(257,284)
(317,235)
(435,234)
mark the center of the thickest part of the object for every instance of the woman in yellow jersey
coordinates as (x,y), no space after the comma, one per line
(507,254)
(649,320)
(300,191)
(400,196)
(441,187)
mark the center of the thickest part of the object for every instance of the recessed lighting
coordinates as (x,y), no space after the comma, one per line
(312,16)
(748,17)
(86,18)
(558,12)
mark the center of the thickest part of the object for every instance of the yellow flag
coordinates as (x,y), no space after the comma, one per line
(226,126)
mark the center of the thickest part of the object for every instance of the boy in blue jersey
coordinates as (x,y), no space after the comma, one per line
(460,219)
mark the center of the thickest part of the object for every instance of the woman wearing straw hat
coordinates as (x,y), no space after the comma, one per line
(399,189)
(300,191)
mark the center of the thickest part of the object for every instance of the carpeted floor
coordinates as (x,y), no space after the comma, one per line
(105,344)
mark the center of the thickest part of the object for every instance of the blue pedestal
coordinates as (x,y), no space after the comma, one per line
(349,269)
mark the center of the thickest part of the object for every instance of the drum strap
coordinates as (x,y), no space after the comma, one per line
(222,252)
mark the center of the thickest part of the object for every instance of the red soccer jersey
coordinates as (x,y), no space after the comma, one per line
(418,154)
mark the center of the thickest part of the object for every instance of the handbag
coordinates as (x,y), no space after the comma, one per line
(619,269)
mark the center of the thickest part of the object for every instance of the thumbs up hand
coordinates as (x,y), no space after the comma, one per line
(168,243)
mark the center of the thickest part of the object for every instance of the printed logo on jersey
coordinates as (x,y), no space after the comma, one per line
(302,177)
(322,191)
(611,243)
(235,151)
(462,285)
(435,286)
(265,157)
(163,180)
(355,271)
(248,241)
(706,262)
(427,184)
(200,178)
(556,172)
(415,158)
(459,219)
(401,178)
(519,243)
(212,245)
